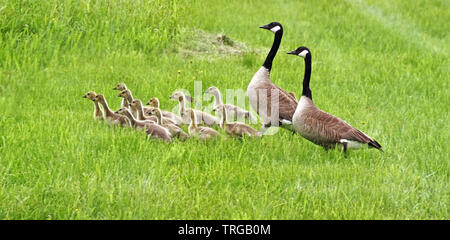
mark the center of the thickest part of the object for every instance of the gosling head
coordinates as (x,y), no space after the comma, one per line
(136,103)
(120,87)
(90,95)
(148,111)
(153,102)
(99,97)
(124,93)
(211,90)
(301,51)
(121,111)
(179,96)
(273,26)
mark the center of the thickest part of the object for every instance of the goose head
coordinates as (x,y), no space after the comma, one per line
(120,87)
(273,26)
(149,111)
(301,51)
(90,95)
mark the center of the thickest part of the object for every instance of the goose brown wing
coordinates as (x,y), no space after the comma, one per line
(286,102)
(333,129)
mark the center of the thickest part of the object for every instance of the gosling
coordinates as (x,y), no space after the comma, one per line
(237,129)
(110,116)
(121,87)
(201,117)
(203,133)
(137,124)
(173,129)
(98,113)
(234,112)
(154,102)
(137,104)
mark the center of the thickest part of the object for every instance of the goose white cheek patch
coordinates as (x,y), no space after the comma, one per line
(303,53)
(275,29)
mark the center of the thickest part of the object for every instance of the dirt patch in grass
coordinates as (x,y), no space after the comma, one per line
(200,44)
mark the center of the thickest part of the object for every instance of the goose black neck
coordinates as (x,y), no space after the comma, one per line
(306,90)
(273,51)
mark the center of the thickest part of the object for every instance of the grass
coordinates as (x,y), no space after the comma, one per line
(380,65)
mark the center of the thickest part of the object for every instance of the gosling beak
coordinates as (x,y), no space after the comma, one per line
(115,88)
(84,96)
(119,95)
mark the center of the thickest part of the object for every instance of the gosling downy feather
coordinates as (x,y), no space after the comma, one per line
(98,113)
(237,129)
(110,116)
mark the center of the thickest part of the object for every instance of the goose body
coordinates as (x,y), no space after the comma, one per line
(158,132)
(98,113)
(137,105)
(233,112)
(273,104)
(321,127)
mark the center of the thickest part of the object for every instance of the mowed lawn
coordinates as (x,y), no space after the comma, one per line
(383,66)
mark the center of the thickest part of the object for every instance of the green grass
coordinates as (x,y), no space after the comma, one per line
(380,65)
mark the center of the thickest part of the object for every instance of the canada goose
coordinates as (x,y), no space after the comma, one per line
(110,115)
(137,104)
(234,112)
(128,97)
(236,129)
(121,87)
(98,113)
(262,92)
(173,129)
(203,133)
(200,117)
(154,102)
(321,127)
(137,124)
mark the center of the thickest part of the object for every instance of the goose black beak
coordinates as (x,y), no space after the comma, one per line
(291,52)
(84,96)
(119,95)
(265,26)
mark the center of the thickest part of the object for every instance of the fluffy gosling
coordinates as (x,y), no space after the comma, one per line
(236,129)
(203,133)
(201,117)
(173,129)
(110,116)
(98,113)
(154,102)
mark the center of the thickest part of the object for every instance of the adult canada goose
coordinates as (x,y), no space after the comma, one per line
(154,102)
(236,129)
(110,115)
(173,129)
(267,98)
(203,133)
(98,113)
(234,112)
(121,87)
(321,127)
(135,123)
(136,104)
(200,116)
